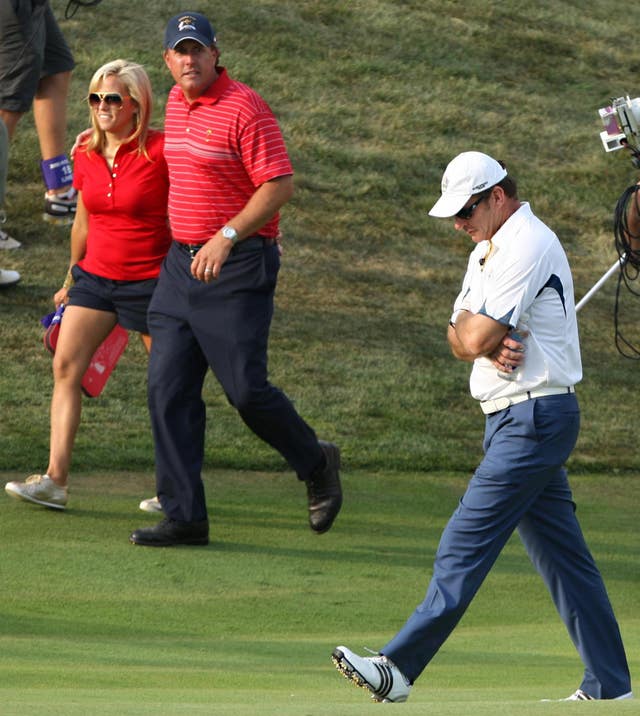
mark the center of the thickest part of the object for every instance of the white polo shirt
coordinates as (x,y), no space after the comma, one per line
(522,279)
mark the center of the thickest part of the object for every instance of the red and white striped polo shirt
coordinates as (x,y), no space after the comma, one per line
(219,150)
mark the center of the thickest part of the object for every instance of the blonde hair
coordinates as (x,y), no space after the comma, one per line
(138,86)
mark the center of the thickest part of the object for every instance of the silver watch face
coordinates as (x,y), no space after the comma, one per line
(230,233)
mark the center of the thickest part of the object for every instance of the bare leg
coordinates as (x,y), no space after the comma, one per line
(81,332)
(50,113)
(50,116)
(11,120)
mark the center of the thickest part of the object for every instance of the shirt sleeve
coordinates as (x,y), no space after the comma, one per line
(264,154)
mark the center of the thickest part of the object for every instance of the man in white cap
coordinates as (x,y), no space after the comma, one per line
(517,279)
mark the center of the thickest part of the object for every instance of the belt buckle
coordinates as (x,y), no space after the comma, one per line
(193,250)
(496,405)
(501,403)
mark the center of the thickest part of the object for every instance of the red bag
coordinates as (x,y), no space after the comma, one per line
(104,359)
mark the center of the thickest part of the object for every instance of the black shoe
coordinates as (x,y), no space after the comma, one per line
(324,491)
(170,532)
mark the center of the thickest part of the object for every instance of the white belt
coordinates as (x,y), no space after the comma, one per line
(493,406)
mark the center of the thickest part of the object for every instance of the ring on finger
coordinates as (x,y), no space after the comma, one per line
(208,270)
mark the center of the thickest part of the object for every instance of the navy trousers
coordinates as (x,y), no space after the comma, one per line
(521,483)
(223,325)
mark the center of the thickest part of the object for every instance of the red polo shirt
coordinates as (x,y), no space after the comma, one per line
(127,205)
(219,150)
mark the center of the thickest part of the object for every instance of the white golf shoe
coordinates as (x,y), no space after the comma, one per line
(41,490)
(581,695)
(152,504)
(8,278)
(378,674)
(8,242)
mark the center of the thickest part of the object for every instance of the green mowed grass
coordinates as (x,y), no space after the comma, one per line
(374,99)
(94,625)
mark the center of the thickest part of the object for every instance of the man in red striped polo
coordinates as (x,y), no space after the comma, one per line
(229,175)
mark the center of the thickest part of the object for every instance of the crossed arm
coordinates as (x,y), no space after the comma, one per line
(475,335)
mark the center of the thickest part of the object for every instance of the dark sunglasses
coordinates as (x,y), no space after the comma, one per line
(110,98)
(467,211)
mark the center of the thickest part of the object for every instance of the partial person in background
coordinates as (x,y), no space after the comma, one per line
(119,238)
(35,69)
(632,226)
(229,175)
(7,277)
(515,320)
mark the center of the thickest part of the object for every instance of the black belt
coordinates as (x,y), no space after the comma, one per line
(251,243)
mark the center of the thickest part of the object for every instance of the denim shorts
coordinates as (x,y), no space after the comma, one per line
(129,300)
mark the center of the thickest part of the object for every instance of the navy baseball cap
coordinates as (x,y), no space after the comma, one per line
(188,26)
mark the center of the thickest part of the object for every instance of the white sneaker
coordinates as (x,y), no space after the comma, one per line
(40,489)
(581,695)
(151,505)
(8,278)
(378,674)
(60,208)
(8,242)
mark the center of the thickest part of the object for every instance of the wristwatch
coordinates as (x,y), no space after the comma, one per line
(230,233)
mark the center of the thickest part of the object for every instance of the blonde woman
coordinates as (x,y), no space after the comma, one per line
(119,238)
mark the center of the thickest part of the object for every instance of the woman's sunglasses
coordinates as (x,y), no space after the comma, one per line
(111,98)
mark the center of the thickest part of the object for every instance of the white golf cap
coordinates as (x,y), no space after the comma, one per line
(468,174)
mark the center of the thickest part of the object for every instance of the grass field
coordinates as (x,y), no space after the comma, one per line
(374,98)
(93,625)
